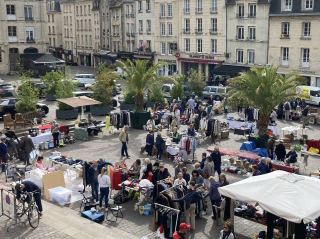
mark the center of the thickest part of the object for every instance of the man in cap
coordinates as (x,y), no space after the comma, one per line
(280,151)
(183,229)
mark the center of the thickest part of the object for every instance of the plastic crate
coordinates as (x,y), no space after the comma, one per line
(60,195)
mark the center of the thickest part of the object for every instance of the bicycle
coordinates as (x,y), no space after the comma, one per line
(12,173)
(31,210)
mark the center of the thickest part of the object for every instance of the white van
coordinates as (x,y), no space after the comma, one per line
(85,77)
(309,93)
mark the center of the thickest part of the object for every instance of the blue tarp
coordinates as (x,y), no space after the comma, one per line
(248,146)
(261,152)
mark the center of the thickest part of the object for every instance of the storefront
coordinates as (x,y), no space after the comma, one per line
(123,55)
(203,63)
(144,56)
(168,70)
(84,59)
(56,51)
(68,57)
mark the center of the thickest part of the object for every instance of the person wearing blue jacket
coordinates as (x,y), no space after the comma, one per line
(262,166)
(214,195)
(150,142)
(3,152)
(160,144)
(92,178)
(291,157)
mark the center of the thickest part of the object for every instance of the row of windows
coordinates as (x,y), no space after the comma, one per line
(306,29)
(304,61)
(52,17)
(199,26)
(28,11)
(140,6)
(163,10)
(29,31)
(85,40)
(163,29)
(84,25)
(306,5)
(141,26)
(84,10)
(132,28)
(199,9)
(187,46)
(53,42)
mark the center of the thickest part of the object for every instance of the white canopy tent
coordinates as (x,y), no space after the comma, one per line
(286,195)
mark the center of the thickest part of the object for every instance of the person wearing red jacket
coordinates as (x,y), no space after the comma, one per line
(183,229)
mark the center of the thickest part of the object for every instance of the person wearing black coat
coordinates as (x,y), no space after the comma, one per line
(150,142)
(216,158)
(155,173)
(280,151)
(160,144)
(148,169)
(163,173)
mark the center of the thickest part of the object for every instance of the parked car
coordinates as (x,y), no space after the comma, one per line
(8,106)
(118,87)
(41,87)
(81,77)
(6,90)
(310,93)
(213,90)
(121,99)
(167,88)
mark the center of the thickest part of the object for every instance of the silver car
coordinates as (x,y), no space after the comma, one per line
(213,90)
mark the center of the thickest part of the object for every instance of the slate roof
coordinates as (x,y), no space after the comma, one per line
(40,58)
(275,8)
(230,2)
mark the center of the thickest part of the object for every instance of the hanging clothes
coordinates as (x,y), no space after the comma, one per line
(193,145)
(107,122)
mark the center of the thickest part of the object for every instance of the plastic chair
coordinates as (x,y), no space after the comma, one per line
(115,210)
(8,121)
(20,120)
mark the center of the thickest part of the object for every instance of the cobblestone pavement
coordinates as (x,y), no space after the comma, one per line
(108,147)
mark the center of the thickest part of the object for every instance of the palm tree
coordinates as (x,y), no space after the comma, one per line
(263,89)
(138,77)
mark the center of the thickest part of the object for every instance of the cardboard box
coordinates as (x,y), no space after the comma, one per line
(286,140)
(289,136)
(287,145)
(313,110)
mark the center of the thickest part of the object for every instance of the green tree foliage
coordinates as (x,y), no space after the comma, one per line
(52,80)
(102,89)
(156,90)
(28,96)
(177,89)
(139,78)
(263,89)
(65,90)
(196,82)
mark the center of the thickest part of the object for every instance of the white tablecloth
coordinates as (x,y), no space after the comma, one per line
(293,130)
(173,151)
(274,129)
(237,124)
(41,138)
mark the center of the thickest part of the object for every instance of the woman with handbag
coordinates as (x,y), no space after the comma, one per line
(55,130)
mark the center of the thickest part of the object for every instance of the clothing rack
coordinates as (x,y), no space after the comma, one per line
(179,185)
(170,208)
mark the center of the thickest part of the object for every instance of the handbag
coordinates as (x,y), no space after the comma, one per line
(145,210)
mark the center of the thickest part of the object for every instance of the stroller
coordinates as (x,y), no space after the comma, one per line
(68,136)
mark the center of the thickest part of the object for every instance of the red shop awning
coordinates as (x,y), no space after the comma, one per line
(210,62)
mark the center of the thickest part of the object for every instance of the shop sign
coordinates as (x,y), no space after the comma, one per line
(305,72)
(202,57)
(167,60)
(177,54)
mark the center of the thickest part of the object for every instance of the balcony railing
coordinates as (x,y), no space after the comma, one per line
(251,15)
(240,15)
(30,40)
(284,36)
(132,15)
(239,38)
(28,18)
(186,10)
(133,34)
(304,62)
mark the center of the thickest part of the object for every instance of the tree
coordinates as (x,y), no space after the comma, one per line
(156,90)
(28,96)
(196,82)
(177,89)
(263,89)
(65,90)
(52,80)
(139,78)
(102,89)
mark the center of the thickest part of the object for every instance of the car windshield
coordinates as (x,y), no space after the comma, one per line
(7,87)
(166,88)
(206,89)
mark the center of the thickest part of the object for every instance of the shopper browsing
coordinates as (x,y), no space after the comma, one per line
(180,180)
(104,183)
(216,158)
(55,130)
(183,229)
(226,233)
(27,146)
(214,195)
(124,139)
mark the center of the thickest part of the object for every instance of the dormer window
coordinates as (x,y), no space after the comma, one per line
(288,5)
(309,4)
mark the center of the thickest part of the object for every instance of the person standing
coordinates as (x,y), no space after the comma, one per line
(55,130)
(160,145)
(209,167)
(175,123)
(305,115)
(280,151)
(104,183)
(178,169)
(124,139)
(215,196)
(27,146)
(92,180)
(150,142)
(148,169)
(11,143)
(3,153)
(28,186)
(190,103)
(184,154)
(155,172)
(163,173)
(203,161)
(185,175)
(287,108)
(216,158)
(180,180)
(270,146)
(175,135)
(226,233)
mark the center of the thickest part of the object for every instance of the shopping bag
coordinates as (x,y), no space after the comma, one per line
(34,154)
(297,147)
(313,150)
(145,210)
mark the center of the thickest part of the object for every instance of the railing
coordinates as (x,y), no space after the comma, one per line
(133,34)
(132,15)
(240,15)
(30,40)
(252,15)
(284,36)
(28,18)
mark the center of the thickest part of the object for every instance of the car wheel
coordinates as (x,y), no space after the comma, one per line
(43,112)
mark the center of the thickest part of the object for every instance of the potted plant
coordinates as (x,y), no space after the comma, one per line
(51,81)
(139,78)
(28,96)
(102,91)
(65,90)
(196,81)
(177,88)
(156,94)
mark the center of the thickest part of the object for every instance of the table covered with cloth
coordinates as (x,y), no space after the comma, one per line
(233,124)
(248,146)
(173,150)
(283,167)
(42,138)
(274,129)
(251,157)
(62,127)
(242,131)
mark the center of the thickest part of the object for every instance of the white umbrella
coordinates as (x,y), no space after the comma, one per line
(289,196)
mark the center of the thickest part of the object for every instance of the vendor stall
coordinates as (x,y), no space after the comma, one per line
(274,129)
(42,138)
(274,192)
(251,157)
(234,124)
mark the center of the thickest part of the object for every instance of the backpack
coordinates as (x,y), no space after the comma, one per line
(287,107)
